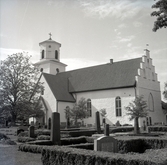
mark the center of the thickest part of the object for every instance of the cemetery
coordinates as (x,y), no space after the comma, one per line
(95,145)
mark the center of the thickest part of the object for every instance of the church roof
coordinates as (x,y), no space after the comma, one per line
(101,77)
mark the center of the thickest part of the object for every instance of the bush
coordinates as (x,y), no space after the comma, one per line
(157,128)
(43,137)
(60,155)
(140,145)
(23,134)
(25,139)
(76,140)
(82,133)
(122,129)
(30,148)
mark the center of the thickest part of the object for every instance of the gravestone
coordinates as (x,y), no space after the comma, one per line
(55,128)
(106,143)
(6,123)
(97,122)
(106,130)
(49,123)
(31,131)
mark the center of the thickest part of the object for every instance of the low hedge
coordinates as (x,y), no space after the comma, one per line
(25,139)
(61,155)
(157,128)
(76,140)
(140,145)
(121,129)
(31,148)
(79,133)
(43,137)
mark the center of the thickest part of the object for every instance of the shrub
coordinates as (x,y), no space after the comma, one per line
(122,129)
(76,140)
(43,137)
(157,128)
(60,155)
(25,139)
(82,133)
(23,134)
(30,148)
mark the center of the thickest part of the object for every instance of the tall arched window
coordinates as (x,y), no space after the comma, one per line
(118,106)
(89,107)
(56,54)
(43,54)
(151,102)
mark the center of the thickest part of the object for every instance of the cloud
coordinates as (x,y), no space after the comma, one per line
(77,63)
(137,24)
(125,39)
(4,52)
(122,26)
(118,8)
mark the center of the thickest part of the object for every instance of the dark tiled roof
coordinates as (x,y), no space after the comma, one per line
(59,87)
(107,76)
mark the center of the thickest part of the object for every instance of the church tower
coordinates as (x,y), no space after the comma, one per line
(50,57)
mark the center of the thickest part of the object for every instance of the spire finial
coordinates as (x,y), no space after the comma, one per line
(50,36)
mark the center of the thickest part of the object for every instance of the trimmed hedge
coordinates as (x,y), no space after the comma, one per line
(121,129)
(25,139)
(79,133)
(157,128)
(61,155)
(43,137)
(30,148)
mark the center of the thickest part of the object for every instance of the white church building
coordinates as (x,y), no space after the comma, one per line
(111,86)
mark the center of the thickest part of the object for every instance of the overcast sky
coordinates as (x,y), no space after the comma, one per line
(91,31)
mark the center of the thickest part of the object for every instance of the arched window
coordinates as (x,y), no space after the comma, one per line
(43,54)
(89,108)
(118,106)
(151,102)
(57,70)
(56,54)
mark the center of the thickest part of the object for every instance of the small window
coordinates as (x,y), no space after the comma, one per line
(43,54)
(41,69)
(89,108)
(118,106)
(57,69)
(56,54)
(49,46)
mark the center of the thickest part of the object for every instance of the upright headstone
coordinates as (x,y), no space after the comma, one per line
(97,123)
(6,123)
(49,123)
(106,130)
(106,143)
(55,128)
(31,131)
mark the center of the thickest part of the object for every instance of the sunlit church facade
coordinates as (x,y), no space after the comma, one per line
(111,86)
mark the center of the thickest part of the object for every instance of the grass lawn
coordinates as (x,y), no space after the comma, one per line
(9,154)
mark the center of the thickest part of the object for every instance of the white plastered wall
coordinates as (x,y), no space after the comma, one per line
(147,84)
(106,99)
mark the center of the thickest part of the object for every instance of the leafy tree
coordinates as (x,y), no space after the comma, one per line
(161,14)
(19,86)
(165,91)
(79,110)
(137,109)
